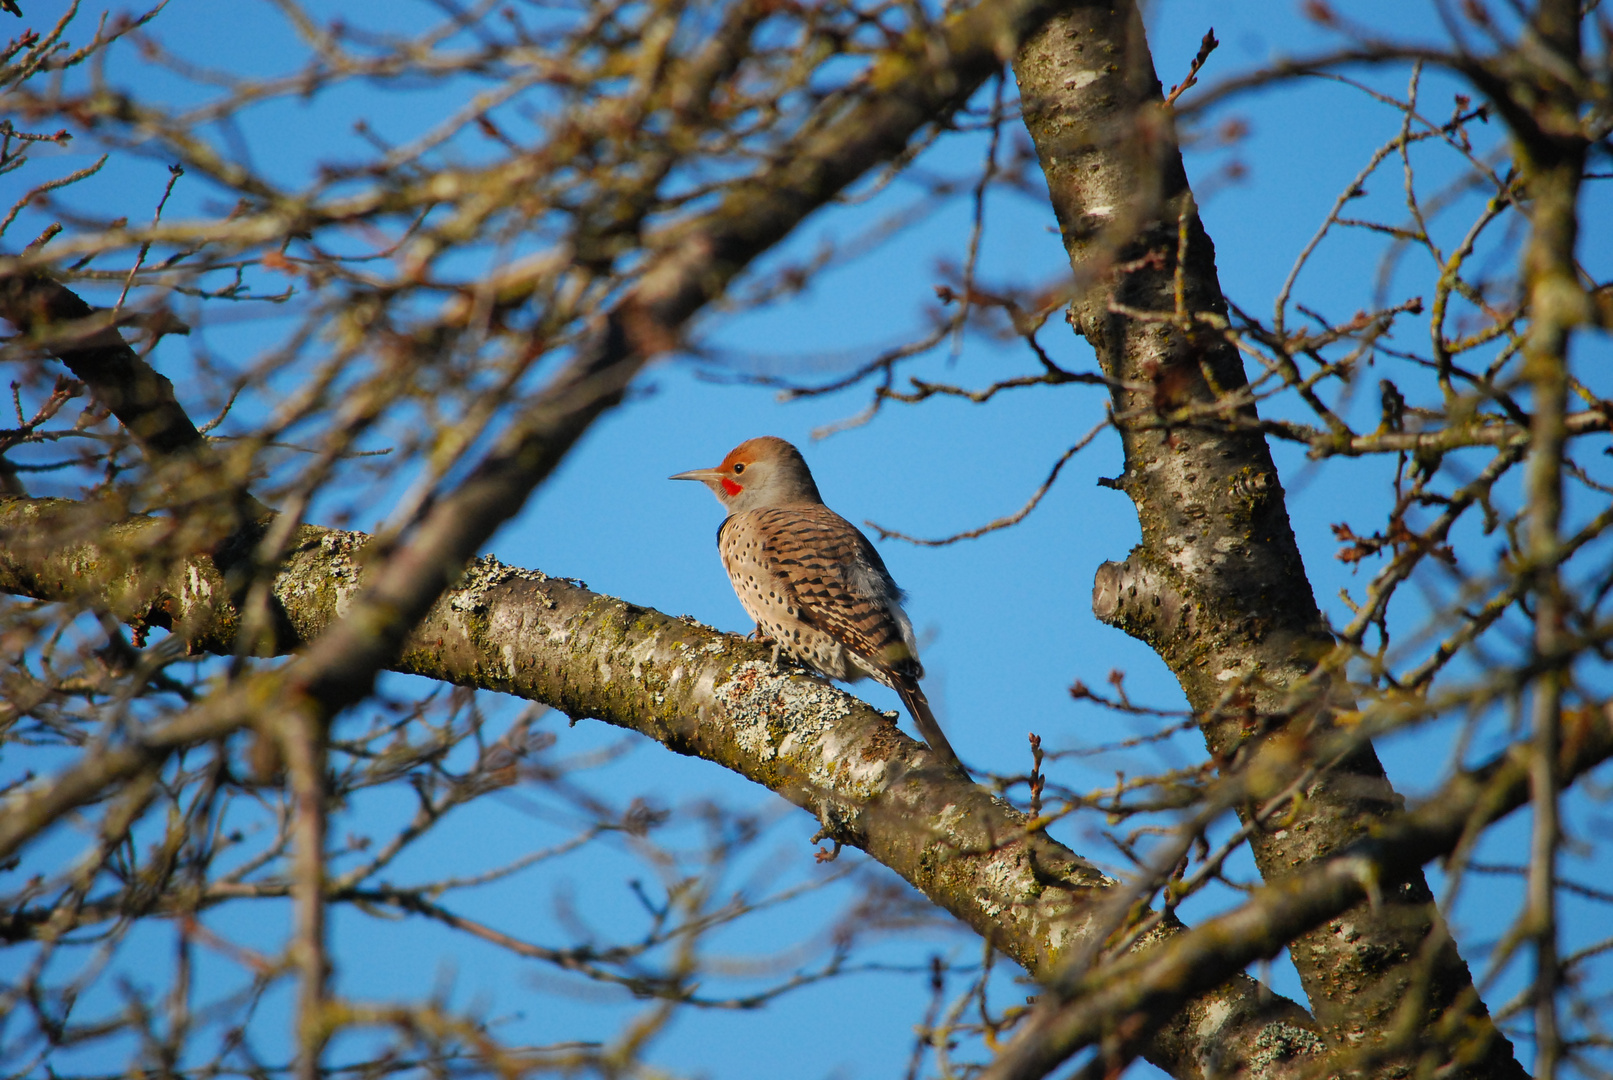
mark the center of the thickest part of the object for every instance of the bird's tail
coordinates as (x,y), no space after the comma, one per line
(919,706)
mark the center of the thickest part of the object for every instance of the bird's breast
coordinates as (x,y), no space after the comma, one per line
(768,595)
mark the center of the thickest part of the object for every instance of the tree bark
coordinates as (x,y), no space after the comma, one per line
(697,691)
(58,321)
(1149,986)
(1217,587)
(1181,1000)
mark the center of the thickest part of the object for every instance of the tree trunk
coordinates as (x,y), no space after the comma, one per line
(1217,587)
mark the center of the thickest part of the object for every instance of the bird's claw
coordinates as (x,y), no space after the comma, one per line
(760,636)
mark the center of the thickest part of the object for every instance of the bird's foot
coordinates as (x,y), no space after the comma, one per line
(760,636)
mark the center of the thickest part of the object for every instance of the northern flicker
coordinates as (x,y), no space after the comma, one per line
(814,584)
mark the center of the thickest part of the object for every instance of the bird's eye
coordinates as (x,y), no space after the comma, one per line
(739,467)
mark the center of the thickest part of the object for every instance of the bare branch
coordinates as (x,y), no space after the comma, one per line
(698,692)
(1137,994)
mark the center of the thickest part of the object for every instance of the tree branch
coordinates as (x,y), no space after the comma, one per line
(914,84)
(57,320)
(697,691)
(1545,117)
(1134,996)
(695,263)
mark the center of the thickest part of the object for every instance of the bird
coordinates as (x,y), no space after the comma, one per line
(813,582)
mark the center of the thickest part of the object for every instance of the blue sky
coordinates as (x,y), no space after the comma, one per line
(1005,619)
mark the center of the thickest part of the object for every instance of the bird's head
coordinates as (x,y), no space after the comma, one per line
(759,473)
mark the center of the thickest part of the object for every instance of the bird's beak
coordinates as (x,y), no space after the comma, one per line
(705,476)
